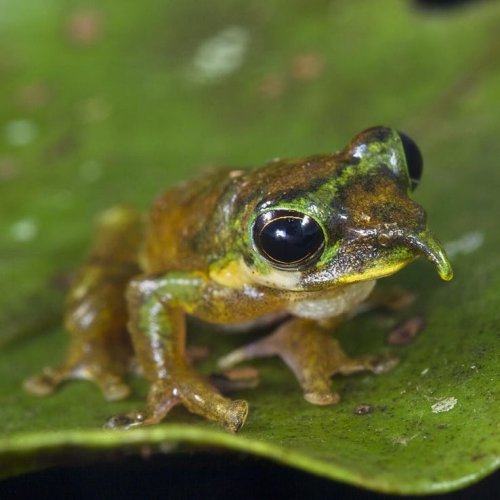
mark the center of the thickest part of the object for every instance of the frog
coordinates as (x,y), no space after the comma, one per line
(298,243)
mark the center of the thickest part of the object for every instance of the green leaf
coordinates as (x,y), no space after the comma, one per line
(103,103)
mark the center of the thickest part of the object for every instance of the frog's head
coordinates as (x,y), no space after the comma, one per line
(334,219)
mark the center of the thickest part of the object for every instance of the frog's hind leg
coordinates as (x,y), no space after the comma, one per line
(96,310)
(312,354)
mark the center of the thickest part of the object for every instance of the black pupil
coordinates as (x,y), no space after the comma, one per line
(287,237)
(414,159)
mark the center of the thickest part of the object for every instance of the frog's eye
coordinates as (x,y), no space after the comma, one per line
(414,160)
(288,239)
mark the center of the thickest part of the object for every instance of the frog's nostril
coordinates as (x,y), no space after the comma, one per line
(384,240)
(419,242)
(425,244)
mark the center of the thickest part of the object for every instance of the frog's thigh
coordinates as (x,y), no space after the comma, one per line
(96,311)
(311,353)
(157,326)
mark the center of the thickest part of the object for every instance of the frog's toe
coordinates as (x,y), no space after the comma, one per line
(376,364)
(44,383)
(236,415)
(125,421)
(113,388)
(200,397)
(321,398)
(159,404)
(382,364)
(112,385)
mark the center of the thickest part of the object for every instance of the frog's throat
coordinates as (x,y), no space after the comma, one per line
(425,244)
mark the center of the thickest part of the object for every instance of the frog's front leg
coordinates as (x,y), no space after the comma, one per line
(157,308)
(313,355)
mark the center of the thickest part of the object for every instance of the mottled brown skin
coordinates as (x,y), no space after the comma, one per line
(197,255)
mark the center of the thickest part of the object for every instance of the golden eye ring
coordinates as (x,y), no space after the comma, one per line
(287,238)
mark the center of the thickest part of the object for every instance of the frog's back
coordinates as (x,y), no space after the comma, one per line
(182,221)
(189,224)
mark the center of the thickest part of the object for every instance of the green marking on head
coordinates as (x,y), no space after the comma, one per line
(359,198)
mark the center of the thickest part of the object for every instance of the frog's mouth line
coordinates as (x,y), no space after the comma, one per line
(425,244)
(413,244)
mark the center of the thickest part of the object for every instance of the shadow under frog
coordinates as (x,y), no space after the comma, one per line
(305,237)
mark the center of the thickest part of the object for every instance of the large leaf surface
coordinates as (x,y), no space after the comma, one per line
(105,102)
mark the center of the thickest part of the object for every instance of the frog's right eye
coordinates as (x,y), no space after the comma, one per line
(288,239)
(414,160)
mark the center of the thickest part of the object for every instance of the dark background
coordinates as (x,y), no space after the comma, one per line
(207,476)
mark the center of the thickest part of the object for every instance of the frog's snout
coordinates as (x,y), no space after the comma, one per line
(425,244)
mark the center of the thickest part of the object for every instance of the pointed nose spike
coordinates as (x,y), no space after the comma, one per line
(433,250)
(444,268)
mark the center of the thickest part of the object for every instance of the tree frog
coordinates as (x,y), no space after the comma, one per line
(301,239)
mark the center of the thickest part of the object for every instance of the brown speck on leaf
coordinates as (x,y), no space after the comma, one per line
(9,169)
(363,409)
(307,67)
(33,96)
(85,27)
(272,86)
(62,147)
(406,332)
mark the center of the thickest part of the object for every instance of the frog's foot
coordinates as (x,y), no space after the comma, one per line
(192,392)
(313,356)
(109,381)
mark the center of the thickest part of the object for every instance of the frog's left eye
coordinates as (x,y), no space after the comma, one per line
(288,239)
(414,160)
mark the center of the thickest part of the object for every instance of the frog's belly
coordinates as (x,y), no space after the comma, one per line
(311,305)
(332,303)
(268,320)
